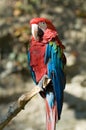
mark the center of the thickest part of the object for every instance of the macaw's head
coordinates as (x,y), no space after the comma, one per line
(42,28)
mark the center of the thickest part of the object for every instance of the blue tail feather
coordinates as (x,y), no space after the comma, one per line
(55,72)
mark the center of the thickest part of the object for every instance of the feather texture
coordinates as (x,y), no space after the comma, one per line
(51,115)
(46,57)
(37,52)
(55,66)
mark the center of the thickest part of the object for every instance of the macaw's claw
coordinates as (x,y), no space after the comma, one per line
(44,82)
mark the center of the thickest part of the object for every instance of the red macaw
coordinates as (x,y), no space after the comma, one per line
(46,57)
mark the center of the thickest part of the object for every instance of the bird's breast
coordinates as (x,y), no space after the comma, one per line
(37,54)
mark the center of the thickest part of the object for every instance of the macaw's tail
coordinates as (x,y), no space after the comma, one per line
(51,116)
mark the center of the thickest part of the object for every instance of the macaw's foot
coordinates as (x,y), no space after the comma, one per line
(45,80)
(43,83)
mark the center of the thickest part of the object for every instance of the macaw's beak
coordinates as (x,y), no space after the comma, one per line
(37,32)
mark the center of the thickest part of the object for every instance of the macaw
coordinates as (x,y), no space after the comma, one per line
(46,58)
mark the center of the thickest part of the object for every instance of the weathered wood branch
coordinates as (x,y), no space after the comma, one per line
(20,104)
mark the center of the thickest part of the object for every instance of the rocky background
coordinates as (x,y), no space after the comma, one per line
(69,17)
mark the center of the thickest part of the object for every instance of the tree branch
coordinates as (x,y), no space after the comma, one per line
(20,104)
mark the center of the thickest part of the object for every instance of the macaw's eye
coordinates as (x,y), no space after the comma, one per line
(42,25)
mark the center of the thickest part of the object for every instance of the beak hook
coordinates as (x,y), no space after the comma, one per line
(35,31)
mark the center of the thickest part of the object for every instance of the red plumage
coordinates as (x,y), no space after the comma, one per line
(50,34)
(38,52)
(48,22)
(51,119)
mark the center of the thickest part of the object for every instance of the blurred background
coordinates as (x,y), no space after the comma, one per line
(69,17)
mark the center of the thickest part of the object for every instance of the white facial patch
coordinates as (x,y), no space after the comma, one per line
(42,25)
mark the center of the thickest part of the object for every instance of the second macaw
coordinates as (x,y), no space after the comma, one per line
(46,58)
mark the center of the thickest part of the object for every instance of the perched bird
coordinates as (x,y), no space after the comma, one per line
(46,59)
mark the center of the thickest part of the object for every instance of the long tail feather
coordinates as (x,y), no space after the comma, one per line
(51,116)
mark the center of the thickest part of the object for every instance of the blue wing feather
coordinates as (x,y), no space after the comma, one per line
(55,72)
(30,68)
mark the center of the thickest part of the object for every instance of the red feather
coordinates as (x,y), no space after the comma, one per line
(37,48)
(37,52)
(48,22)
(50,33)
(51,116)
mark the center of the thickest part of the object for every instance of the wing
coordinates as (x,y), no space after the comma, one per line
(30,68)
(55,65)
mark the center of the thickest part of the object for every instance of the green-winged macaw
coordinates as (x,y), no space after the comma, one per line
(46,57)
